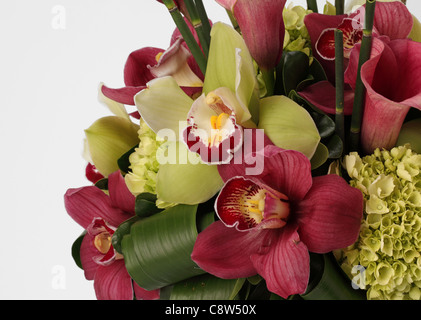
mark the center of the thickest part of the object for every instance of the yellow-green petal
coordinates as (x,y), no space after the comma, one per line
(108,139)
(163,105)
(288,125)
(184,179)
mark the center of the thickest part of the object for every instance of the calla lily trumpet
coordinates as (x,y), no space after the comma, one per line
(262,27)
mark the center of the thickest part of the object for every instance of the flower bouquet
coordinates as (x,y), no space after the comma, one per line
(274,158)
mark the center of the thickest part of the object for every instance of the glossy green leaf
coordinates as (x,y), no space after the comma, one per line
(206,287)
(295,70)
(335,146)
(76,250)
(122,230)
(157,251)
(124,162)
(145,205)
(329,282)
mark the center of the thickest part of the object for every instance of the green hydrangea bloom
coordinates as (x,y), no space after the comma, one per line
(144,164)
(296,34)
(389,243)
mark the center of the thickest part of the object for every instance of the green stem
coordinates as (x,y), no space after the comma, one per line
(197,25)
(233,21)
(359,99)
(339,5)
(204,18)
(312,5)
(186,34)
(269,80)
(339,84)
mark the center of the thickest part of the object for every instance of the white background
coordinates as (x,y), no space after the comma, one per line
(48,96)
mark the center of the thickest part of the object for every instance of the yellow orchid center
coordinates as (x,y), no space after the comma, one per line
(158,56)
(217,122)
(102,242)
(255,206)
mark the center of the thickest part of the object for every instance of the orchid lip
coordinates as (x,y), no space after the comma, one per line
(102,234)
(246,204)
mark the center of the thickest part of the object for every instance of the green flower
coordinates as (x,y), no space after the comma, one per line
(296,34)
(389,243)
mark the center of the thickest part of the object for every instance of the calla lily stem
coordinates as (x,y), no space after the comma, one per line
(233,21)
(359,99)
(269,80)
(204,18)
(312,5)
(339,5)
(187,35)
(339,84)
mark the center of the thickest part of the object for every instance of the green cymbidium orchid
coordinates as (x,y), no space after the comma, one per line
(388,247)
(107,139)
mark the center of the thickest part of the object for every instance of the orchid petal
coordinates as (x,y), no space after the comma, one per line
(115,107)
(113,282)
(288,125)
(322,95)
(119,97)
(136,72)
(87,203)
(120,195)
(142,294)
(173,62)
(286,264)
(184,179)
(87,253)
(330,216)
(393,20)
(108,139)
(163,105)
(225,252)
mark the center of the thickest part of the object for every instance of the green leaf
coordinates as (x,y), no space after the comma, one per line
(207,287)
(295,70)
(145,205)
(328,281)
(157,251)
(335,147)
(122,230)
(102,184)
(76,250)
(123,162)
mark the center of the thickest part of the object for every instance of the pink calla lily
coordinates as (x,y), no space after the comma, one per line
(393,86)
(100,215)
(269,222)
(262,27)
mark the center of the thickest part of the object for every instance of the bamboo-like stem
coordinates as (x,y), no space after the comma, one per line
(197,25)
(359,99)
(233,21)
(312,5)
(204,18)
(186,34)
(339,5)
(339,84)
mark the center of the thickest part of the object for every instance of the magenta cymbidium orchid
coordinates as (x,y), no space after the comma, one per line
(269,222)
(262,27)
(100,215)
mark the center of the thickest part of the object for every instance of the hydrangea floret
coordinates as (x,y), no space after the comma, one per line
(389,244)
(297,37)
(144,165)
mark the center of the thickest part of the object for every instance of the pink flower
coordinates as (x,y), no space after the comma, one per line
(262,27)
(100,215)
(391,19)
(269,223)
(393,86)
